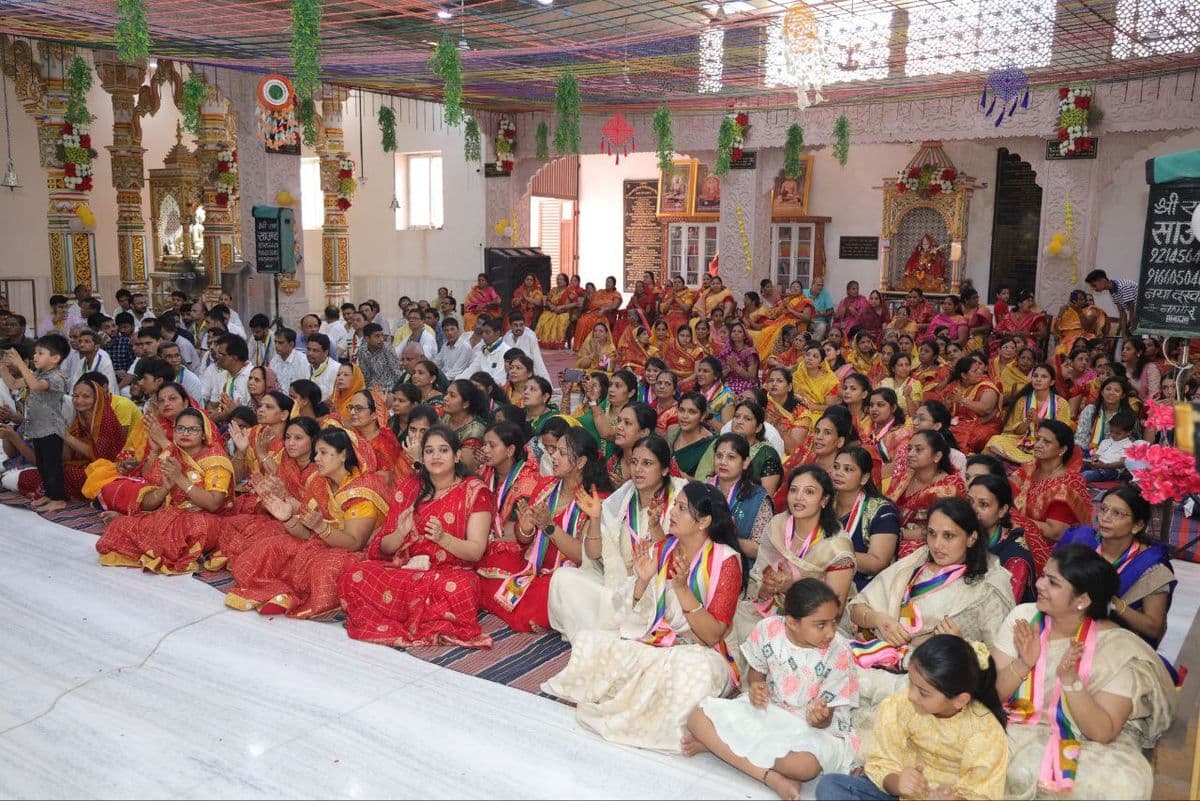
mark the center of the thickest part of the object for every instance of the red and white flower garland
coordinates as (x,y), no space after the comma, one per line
(927,180)
(1074,136)
(506,145)
(77,156)
(346,184)
(227,176)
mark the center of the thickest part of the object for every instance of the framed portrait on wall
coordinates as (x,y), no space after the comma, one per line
(708,192)
(789,197)
(677,188)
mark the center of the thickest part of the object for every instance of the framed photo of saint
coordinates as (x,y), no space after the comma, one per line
(789,197)
(677,189)
(708,192)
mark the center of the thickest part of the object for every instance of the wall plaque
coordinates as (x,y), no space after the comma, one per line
(642,231)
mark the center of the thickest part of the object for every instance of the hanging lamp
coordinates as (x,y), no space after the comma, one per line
(11,181)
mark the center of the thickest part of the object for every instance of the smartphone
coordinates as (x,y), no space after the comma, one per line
(572,375)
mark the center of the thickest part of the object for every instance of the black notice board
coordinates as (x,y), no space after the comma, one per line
(490,170)
(748,161)
(268,252)
(1168,301)
(858,247)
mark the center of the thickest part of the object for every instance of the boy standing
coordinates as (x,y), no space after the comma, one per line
(44,418)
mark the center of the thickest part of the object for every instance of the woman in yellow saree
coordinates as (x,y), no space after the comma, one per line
(719,297)
(601,308)
(814,384)
(598,351)
(556,316)
(1036,403)
(187,485)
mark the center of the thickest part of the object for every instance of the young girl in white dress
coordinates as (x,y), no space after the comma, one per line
(794,720)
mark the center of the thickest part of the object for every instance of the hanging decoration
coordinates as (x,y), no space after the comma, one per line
(791,152)
(79,83)
(133,30)
(746,252)
(1009,87)
(805,53)
(927,181)
(85,215)
(664,138)
(506,144)
(276,114)
(226,175)
(566,114)
(1074,136)
(346,183)
(76,154)
(387,128)
(542,141)
(472,147)
(306,63)
(725,136)
(195,92)
(741,129)
(616,136)
(447,65)
(841,135)
(509,228)
(1069,221)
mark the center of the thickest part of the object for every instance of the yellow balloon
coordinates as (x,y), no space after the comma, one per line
(85,215)
(1059,238)
(1054,248)
(284,198)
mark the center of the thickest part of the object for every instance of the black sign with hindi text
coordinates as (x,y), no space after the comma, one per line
(747,161)
(858,247)
(1168,301)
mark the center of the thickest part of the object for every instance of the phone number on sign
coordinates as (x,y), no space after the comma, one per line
(1174,256)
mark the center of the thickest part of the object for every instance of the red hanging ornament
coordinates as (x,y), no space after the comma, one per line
(616,136)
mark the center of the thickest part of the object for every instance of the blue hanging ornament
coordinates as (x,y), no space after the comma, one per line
(1009,87)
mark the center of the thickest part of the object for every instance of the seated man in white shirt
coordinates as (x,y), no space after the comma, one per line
(420,333)
(234,326)
(289,362)
(171,353)
(339,332)
(90,358)
(233,381)
(141,309)
(324,369)
(455,356)
(168,324)
(521,336)
(370,310)
(489,354)
(261,342)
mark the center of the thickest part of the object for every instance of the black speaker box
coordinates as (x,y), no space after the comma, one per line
(506,269)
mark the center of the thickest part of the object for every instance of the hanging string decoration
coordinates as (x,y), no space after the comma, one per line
(346,184)
(1009,88)
(542,141)
(79,83)
(746,252)
(664,138)
(472,145)
(725,135)
(276,113)
(841,136)
(306,62)
(791,152)
(1074,136)
(1069,221)
(566,114)
(616,136)
(805,53)
(133,30)
(227,175)
(506,144)
(387,128)
(447,65)
(195,92)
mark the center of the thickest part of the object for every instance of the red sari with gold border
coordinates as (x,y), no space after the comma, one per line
(238,531)
(102,431)
(915,508)
(970,432)
(247,502)
(1062,497)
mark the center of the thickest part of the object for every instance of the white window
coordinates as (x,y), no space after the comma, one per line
(792,252)
(690,247)
(312,199)
(419,190)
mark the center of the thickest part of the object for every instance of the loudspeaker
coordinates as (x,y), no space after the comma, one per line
(506,269)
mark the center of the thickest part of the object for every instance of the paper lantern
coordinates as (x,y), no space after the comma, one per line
(85,215)
(1054,248)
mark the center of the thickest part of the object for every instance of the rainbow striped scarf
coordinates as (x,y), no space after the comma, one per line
(879,653)
(1060,761)
(513,588)
(769,606)
(633,516)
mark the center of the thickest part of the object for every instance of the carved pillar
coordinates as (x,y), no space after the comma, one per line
(1061,180)
(123,81)
(739,190)
(335,232)
(222,237)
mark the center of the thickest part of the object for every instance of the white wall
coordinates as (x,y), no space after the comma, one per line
(602,210)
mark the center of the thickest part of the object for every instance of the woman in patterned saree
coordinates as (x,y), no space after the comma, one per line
(888,435)
(553,324)
(929,478)
(718,397)
(689,438)
(528,299)
(511,472)
(975,403)
(1050,490)
(1024,320)
(481,301)
(597,351)
(784,410)
(256,451)
(1087,696)
(367,415)
(418,585)
(295,571)
(682,355)
(187,485)
(94,433)
(601,308)
(1037,402)
(674,614)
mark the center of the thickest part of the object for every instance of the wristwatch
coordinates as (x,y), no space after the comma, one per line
(1074,687)
(548,530)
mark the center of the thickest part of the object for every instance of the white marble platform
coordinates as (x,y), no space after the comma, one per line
(119,684)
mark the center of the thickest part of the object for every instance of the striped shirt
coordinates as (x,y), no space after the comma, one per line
(1124,293)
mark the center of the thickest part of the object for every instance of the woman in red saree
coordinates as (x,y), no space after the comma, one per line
(368,417)
(295,572)
(418,585)
(682,355)
(529,299)
(979,319)
(950,316)
(718,297)
(481,301)
(643,305)
(284,475)
(975,403)
(171,519)
(930,371)
(632,350)
(676,303)
(664,401)
(1025,320)
(511,473)
(1077,381)
(1050,491)
(349,382)
(95,433)
(601,308)
(888,435)
(929,478)
(784,410)
(256,451)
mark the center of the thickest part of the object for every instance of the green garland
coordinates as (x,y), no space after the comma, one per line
(841,133)
(306,47)
(664,138)
(725,137)
(472,149)
(133,30)
(542,141)
(79,83)
(447,64)
(195,92)
(306,115)
(566,114)
(387,127)
(791,152)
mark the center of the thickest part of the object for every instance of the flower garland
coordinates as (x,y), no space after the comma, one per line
(76,154)
(927,181)
(731,137)
(346,183)
(506,145)
(1074,136)
(277,129)
(1170,474)
(227,176)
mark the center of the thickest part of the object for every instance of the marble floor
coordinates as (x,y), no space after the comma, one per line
(118,684)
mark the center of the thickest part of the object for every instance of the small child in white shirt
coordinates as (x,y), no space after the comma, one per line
(1108,461)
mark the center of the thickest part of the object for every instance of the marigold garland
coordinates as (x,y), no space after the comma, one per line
(195,92)
(664,138)
(447,65)
(387,128)
(566,114)
(133,31)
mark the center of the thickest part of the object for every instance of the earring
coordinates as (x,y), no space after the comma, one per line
(1079,608)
